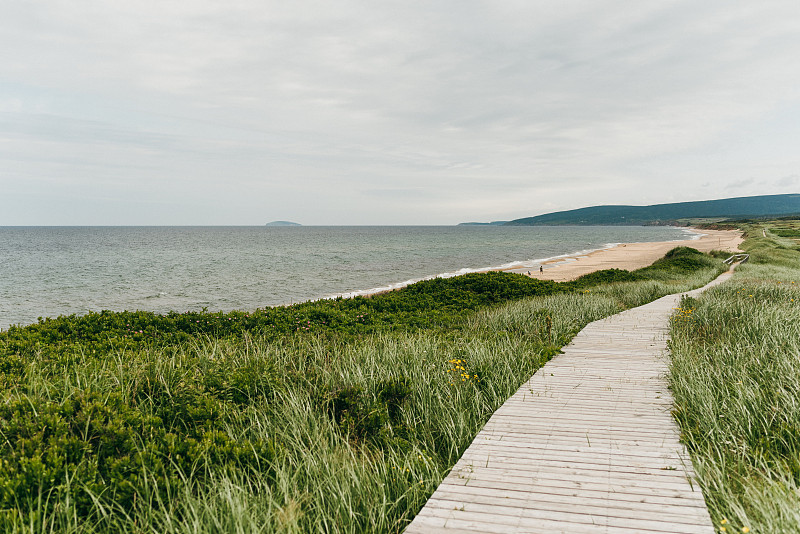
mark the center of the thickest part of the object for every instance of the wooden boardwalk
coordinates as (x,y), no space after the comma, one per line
(587,445)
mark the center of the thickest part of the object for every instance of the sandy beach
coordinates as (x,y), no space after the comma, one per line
(631,256)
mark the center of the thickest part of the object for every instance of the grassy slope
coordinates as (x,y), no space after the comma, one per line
(340,416)
(736,379)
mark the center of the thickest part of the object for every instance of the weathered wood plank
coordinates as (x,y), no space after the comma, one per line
(666,469)
(556,486)
(533,520)
(573,496)
(614,479)
(592,507)
(613,456)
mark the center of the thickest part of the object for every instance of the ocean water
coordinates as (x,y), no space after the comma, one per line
(51,271)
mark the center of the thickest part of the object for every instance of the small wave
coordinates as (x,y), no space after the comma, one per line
(694,235)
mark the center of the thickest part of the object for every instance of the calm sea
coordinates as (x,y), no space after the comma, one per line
(51,271)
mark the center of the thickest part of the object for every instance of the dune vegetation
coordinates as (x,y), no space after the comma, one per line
(330,416)
(736,379)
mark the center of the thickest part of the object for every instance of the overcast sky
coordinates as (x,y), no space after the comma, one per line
(380,112)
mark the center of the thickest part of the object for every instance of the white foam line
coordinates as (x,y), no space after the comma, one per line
(693,235)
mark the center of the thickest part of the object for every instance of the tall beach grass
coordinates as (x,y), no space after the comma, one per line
(319,430)
(736,379)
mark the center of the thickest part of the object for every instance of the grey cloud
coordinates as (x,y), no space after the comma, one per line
(407,193)
(321,100)
(739,184)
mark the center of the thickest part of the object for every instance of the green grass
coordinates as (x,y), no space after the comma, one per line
(736,379)
(335,416)
(786,232)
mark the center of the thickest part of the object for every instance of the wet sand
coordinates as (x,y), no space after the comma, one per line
(631,256)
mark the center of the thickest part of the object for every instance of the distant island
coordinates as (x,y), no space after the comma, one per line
(283,223)
(722,209)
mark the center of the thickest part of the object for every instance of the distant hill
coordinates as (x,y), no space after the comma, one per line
(729,208)
(283,223)
(493,223)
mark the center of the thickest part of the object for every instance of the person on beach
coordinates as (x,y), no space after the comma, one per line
(541,269)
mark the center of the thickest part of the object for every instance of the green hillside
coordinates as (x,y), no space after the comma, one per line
(740,207)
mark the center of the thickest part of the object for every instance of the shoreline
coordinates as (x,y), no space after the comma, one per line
(560,267)
(629,256)
(565,267)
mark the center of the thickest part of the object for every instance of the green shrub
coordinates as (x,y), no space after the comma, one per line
(606,276)
(786,232)
(373,417)
(109,448)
